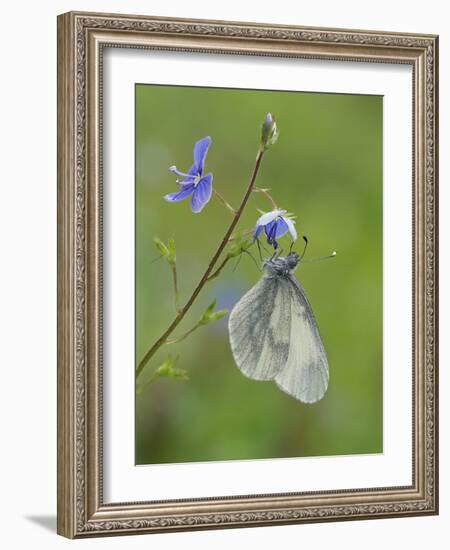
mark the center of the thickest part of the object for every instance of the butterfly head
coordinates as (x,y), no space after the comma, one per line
(282,265)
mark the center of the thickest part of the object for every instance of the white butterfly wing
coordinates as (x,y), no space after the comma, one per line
(260,329)
(305,374)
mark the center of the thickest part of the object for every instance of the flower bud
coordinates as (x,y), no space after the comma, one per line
(269,132)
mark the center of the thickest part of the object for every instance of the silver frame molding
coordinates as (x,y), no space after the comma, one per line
(81,39)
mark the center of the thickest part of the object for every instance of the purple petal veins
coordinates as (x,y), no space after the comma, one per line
(202,193)
(258,230)
(281,227)
(200,151)
(271,232)
(185,192)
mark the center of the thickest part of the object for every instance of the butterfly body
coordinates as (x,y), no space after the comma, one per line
(282,266)
(274,335)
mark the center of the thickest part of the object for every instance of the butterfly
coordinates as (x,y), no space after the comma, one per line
(274,335)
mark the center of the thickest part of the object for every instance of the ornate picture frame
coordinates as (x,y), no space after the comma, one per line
(82,39)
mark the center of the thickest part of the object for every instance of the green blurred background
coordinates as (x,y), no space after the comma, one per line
(326,168)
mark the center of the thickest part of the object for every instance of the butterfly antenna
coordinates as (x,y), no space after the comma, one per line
(290,248)
(305,238)
(332,255)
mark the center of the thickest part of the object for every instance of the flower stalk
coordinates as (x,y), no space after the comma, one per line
(268,196)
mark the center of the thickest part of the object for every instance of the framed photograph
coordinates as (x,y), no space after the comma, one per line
(247,276)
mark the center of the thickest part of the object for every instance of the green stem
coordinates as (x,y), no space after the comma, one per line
(219,269)
(268,196)
(162,339)
(185,335)
(175,287)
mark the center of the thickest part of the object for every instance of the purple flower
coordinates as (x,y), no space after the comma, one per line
(275,225)
(194,182)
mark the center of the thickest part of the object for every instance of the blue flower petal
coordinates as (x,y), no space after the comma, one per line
(271,233)
(282,227)
(270,228)
(180,195)
(291,226)
(200,151)
(189,180)
(193,171)
(269,217)
(202,193)
(257,232)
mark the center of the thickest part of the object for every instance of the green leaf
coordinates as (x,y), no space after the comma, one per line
(209,315)
(238,245)
(167,365)
(205,319)
(179,374)
(218,315)
(168,370)
(167,251)
(161,246)
(172,255)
